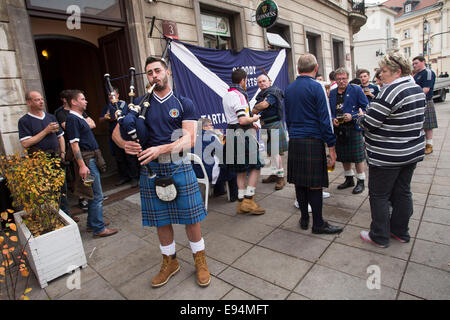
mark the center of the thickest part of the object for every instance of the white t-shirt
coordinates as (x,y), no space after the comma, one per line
(234,106)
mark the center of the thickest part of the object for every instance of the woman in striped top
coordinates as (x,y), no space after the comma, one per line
(395,143)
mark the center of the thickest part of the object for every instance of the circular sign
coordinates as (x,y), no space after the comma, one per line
(266,14)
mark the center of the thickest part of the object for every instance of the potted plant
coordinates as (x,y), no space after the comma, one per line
(50,237)
(13,268)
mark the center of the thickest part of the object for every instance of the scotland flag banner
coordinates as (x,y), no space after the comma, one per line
(204,75)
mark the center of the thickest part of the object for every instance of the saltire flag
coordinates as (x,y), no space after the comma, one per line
(204,74)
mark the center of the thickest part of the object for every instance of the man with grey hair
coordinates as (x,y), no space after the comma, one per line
(269,104)
(308,120)
(345,102)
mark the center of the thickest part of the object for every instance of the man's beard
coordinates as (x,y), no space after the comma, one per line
(162,84)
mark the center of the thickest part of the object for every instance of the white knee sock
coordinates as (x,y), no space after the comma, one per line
(280,173)
(361,176)
(241,194)
(168,250)
(430,141)
(250,191)
(349,173)
(197,246)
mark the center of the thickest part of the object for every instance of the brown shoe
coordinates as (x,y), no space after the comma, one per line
(203,276)
(89,229)
(270,179)
(428,148)
(251,206)
(239,208)
(169,267)
(281,182)
(106,233)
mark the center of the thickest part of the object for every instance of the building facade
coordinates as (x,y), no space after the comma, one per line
(376,38)
(422,28)
(51,46)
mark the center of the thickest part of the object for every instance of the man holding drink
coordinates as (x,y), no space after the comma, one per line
(345,102)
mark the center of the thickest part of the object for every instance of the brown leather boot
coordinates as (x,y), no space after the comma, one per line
(428,148)
(251,206)
(169,267)
(239,208)
(281,182)
(203,276)
(270,179)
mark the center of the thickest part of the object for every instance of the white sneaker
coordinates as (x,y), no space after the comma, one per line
(325,195)
(365,236)
(298,206)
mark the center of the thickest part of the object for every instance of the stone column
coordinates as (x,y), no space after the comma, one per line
(19,71)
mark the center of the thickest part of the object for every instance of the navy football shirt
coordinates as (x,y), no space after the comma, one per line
(77,130)
(426,79)
(165,115)
(30,125)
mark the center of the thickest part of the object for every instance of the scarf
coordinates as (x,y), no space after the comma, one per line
(239,88)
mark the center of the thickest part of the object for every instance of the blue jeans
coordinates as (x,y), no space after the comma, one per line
(95,206)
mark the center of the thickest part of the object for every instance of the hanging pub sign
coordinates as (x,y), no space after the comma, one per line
(266,14)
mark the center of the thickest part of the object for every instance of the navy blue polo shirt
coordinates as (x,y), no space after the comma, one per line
(426,79)
(78,130)
(30,125)
(165,115)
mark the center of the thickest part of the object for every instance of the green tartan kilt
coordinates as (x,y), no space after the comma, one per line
(282,139)
(352,150)
(430,121)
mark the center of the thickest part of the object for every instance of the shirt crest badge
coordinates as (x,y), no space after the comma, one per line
(174,113)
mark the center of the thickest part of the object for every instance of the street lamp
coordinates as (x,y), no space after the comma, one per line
(425,21)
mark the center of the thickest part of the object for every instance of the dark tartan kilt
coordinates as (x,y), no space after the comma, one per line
(282,140)
(249,160)
(352,150)
(307,163)
(188,206)
(430,121)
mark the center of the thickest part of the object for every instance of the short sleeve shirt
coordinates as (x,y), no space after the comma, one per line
(30,125)
(235,106)
(78,130)
(272,110)
(426,79)
(165,115)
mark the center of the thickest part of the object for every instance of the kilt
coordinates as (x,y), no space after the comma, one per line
(242,159)
(430,121)
(282,140)
(187,208)
(307,163)
(352,150)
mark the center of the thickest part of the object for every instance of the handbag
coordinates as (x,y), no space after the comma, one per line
(166,189)
(342,133)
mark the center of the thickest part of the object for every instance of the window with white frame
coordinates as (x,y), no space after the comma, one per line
(408,7)
(406,34)
(407,52)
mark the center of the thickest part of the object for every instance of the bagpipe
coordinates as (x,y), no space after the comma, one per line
(132,121)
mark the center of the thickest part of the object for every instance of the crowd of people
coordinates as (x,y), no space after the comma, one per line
(386,126)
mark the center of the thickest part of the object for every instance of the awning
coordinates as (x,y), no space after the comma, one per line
(276,40)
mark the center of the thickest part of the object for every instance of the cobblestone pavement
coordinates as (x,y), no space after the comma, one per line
(270,257)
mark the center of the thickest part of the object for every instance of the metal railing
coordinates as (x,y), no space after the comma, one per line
(358,6)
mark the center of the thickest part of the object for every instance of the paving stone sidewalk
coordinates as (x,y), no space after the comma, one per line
(270,257)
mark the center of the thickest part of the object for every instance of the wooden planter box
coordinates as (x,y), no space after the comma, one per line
(55,253)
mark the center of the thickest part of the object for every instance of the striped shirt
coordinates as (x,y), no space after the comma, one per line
(393,125)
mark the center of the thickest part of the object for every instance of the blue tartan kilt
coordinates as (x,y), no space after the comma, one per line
(188,206)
